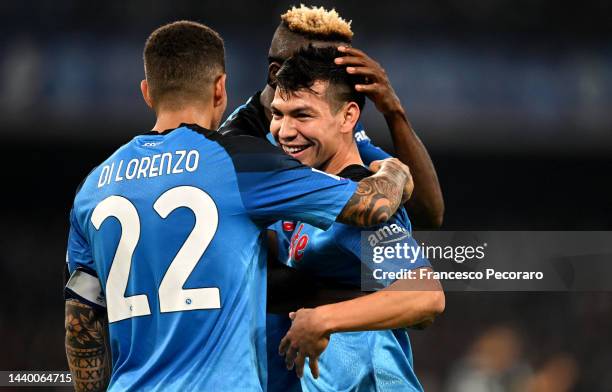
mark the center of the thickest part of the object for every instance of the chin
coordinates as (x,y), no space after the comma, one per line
(304,161)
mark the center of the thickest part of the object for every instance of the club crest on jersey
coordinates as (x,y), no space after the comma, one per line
(288,225)
(298,244)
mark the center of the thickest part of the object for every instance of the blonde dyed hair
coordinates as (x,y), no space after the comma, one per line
(317,21)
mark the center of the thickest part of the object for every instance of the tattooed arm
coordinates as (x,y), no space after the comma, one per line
(379,196)
(87,349)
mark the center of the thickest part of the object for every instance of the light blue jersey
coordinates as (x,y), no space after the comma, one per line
(355,361)
(170,229)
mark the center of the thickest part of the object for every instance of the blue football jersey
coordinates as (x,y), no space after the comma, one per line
(367,150)
(170,228)
(354,361)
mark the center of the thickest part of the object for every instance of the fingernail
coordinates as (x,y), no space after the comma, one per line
(350,69)
(338,60)
(342,48)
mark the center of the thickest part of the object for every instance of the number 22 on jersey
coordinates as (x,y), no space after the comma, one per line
(172,296)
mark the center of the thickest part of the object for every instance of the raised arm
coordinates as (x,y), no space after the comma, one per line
(426,207)
(379,196)
(87,348)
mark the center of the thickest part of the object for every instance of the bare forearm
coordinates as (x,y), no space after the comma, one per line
(87,348)
(426,206)
(391,308)
(377,197)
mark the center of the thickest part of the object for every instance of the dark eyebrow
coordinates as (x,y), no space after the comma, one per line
(300,109)
(294,111)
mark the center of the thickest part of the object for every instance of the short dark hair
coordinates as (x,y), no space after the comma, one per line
(181,59)
(310,64)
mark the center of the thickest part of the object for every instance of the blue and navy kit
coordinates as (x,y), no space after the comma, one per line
(347,363)
(355,361)
(166,234)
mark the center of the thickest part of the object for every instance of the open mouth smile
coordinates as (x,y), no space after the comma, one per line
(295,150)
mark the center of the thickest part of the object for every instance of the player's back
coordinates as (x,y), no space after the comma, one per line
(181,264)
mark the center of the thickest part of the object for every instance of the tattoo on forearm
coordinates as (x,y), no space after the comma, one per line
(87,347)
(376,199)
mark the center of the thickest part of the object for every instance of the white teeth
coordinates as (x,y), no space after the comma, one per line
(294,150)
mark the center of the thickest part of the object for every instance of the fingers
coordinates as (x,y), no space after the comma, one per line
(284,346)
(314,366)
(365,71)
(352,60)
(352,51)
(299,364)
(408,190)
(368,88)
(291,356)
(375,166)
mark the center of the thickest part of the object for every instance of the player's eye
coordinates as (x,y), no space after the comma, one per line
(276,115)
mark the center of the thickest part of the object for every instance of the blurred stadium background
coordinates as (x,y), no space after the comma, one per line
(513,100)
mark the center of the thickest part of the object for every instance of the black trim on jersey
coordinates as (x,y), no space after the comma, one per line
(248,153)
(212,135)
(355,172)
(250,120)
(167,131)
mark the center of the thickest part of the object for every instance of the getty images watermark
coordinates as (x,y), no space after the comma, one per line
(488,260)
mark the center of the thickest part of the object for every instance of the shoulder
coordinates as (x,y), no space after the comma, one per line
(92,177)
(254,154)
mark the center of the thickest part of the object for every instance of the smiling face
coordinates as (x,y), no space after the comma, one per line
(307,126)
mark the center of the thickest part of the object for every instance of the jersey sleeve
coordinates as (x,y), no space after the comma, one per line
(79,252)
(284,231)
(274,186)
(367,150)
(83,283)
(397,232)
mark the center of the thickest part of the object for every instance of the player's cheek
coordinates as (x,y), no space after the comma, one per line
(274,128)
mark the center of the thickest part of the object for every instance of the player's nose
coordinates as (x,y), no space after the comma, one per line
(287,130)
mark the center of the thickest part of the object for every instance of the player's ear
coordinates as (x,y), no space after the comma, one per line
(219,101)
(273,68)
(144,88)
(220,94)
(350,116)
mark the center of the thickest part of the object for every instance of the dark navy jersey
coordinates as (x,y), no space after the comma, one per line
(247,119)
(250,119)
(166,234)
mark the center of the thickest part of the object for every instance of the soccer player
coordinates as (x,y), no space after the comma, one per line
(303,26)
(315,109)
(165,235)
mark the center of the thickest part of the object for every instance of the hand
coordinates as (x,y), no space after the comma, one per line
(377,86)
(306,338)
(394,165)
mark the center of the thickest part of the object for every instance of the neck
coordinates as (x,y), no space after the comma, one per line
(346,155)
(170,119)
